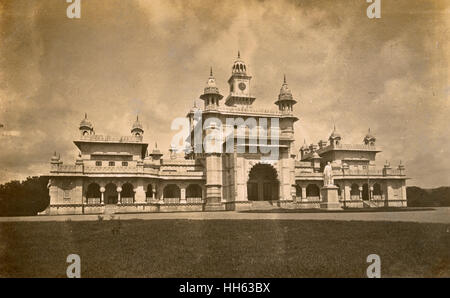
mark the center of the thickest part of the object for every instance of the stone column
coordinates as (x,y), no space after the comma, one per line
(102,198)
(304,193)
(139,195)
(119,200)
(153,193)
(183,194)
(213,182)
(360,192)
(161,199)
(370,193)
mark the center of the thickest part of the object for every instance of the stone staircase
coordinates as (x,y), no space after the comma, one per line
(110,209)
(369,204)
(263,205)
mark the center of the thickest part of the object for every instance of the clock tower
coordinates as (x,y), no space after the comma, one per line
(239,85)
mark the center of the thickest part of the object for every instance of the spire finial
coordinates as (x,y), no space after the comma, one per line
(239,54)
(284,80)
(210,71)
(156,145)
(137,118)
(85,115)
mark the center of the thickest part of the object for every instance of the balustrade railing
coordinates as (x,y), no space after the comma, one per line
(194,200)
(93,201)
(127,200)
(171,200)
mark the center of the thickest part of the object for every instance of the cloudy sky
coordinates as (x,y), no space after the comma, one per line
(153,57)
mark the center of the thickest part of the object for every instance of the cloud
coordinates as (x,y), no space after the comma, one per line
(152,58)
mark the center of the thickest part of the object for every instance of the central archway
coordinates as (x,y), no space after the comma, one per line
(263,184)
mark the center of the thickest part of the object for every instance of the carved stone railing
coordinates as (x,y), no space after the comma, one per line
(171,200)
(198,200)
(115,169)
(93,201)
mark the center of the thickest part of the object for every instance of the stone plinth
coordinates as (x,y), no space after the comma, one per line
(330,198)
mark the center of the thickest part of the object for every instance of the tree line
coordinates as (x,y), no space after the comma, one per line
(28,197)
(21,198)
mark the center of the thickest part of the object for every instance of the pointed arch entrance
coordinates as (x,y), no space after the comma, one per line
(263,184)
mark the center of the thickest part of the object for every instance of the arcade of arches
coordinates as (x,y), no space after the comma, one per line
(113,193)
(357,191)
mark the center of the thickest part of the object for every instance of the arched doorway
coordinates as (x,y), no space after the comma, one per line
(262,183)
(171,194)
(377,194)
(298,191)
(149,193)
(194,193)
(365,192)
(93,193)
(111,193)
(354,192)
(313,192)
(339,189)
(127,194)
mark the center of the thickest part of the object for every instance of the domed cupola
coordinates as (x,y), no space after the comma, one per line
(211,94)
(285,100)
(86,127)
(137,129)
(335,137)
(304,149)
(369,139)
(239,66)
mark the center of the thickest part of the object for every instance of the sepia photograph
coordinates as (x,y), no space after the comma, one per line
(205,141)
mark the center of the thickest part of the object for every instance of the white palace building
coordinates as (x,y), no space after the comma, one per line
(121,174)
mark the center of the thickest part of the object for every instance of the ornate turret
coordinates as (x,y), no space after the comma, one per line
(156,154)
(369,139)
(285,100)
(211,94)
(304,149)
(137,129)
(335,137)
(86,127)
(239,66)
(79,159)
(54,162)
(239,85)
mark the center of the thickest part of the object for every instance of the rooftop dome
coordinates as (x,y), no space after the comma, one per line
(85,123)
(239,66)
(211,87)
(335,134)
(285,92)
(304,146)
(316,155)
(137,125)
(369,135)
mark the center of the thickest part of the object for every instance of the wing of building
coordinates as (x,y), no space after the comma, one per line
(248,162)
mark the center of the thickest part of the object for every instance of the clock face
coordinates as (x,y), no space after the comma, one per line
(242,86)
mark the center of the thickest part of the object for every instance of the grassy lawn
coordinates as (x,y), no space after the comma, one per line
(224,248)
(346,210)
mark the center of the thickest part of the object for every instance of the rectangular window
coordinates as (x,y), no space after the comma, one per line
(112,163)
(124,163)
(98,163)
